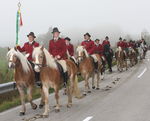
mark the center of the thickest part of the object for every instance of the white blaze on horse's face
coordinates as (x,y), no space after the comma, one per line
(12,60)
(36,67)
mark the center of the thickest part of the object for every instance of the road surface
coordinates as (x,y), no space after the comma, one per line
(127,100)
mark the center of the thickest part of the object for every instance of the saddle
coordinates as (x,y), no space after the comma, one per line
(64,75)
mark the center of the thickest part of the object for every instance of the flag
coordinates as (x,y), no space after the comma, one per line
(19,23)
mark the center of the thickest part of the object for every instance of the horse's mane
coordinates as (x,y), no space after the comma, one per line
(50,61)
(24,62)
(82,49)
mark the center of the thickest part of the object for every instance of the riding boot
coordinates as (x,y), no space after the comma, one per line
(37,79)
(37,76)
(65,77)
(96,66)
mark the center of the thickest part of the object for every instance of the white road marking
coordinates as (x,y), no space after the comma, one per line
(145,69)
(88,118)
(148,59)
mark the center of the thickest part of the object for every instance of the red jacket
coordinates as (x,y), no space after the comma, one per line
(131,44)
(28,49)
(58,48)
(121,44)
(70,49)
(97,49)
(88,45)
(106,42)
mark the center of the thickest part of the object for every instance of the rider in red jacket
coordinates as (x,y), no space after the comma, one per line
(28,46)
(69,46)
(106,42)
(57,46)
(97,48)
(121,43)
(87,43)
(28,49)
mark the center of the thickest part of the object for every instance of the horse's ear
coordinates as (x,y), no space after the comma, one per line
(8,49)
(42,47)
(15,48)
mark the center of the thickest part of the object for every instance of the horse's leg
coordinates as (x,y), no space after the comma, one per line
(46,94)
(57,108)
(29,92)
(98,80)
(86,84)
(69,94)
(75,89)
(42,99)
(22,96)
(93,84)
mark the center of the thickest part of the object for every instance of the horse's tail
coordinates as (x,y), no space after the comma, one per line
(76,91)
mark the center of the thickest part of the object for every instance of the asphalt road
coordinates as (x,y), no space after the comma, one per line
(128,99)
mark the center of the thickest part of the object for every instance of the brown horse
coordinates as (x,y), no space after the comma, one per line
(121,59)
(52,77)
(132,56)
(87,68)
(24,76)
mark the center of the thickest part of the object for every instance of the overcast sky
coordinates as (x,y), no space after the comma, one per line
(71,16)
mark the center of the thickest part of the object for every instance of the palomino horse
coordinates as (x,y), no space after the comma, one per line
(121,59)
(24,76)
(51,76)
(87,68)
(132,56)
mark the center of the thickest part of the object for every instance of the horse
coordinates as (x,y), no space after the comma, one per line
(87,68)
(51,76)
(132,56)
(24,76)
(142,51)
(108,53)
(121,59)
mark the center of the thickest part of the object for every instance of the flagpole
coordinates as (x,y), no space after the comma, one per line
(18,16)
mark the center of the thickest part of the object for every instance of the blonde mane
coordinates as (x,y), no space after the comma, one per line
(82,49)
(50,61)
(24,62)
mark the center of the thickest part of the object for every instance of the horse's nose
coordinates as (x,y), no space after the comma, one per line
(36,68)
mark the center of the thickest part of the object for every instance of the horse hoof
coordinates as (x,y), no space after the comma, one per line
(89,92)
(22,113)
(57,110)
(84,94)
(69,105)
(97,88)
(41,106)
(93,87)
(34,106)
(45,116)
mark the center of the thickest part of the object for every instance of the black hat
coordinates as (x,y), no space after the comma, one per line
(106,37)
(97,40)
(67,38)
(31,34)
(55,29)
(120,38)
(124,39)
(87,34)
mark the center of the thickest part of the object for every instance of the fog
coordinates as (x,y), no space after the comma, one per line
(113,18)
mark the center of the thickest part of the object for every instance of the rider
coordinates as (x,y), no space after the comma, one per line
(108,52)
(58,49)
(28,49)
(57,46)
(69,46)
(87,43)
(98,49)
(106,41)
(144,46)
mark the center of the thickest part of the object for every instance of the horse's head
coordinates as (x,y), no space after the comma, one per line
(80,53)
(12,58)
(38,58)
